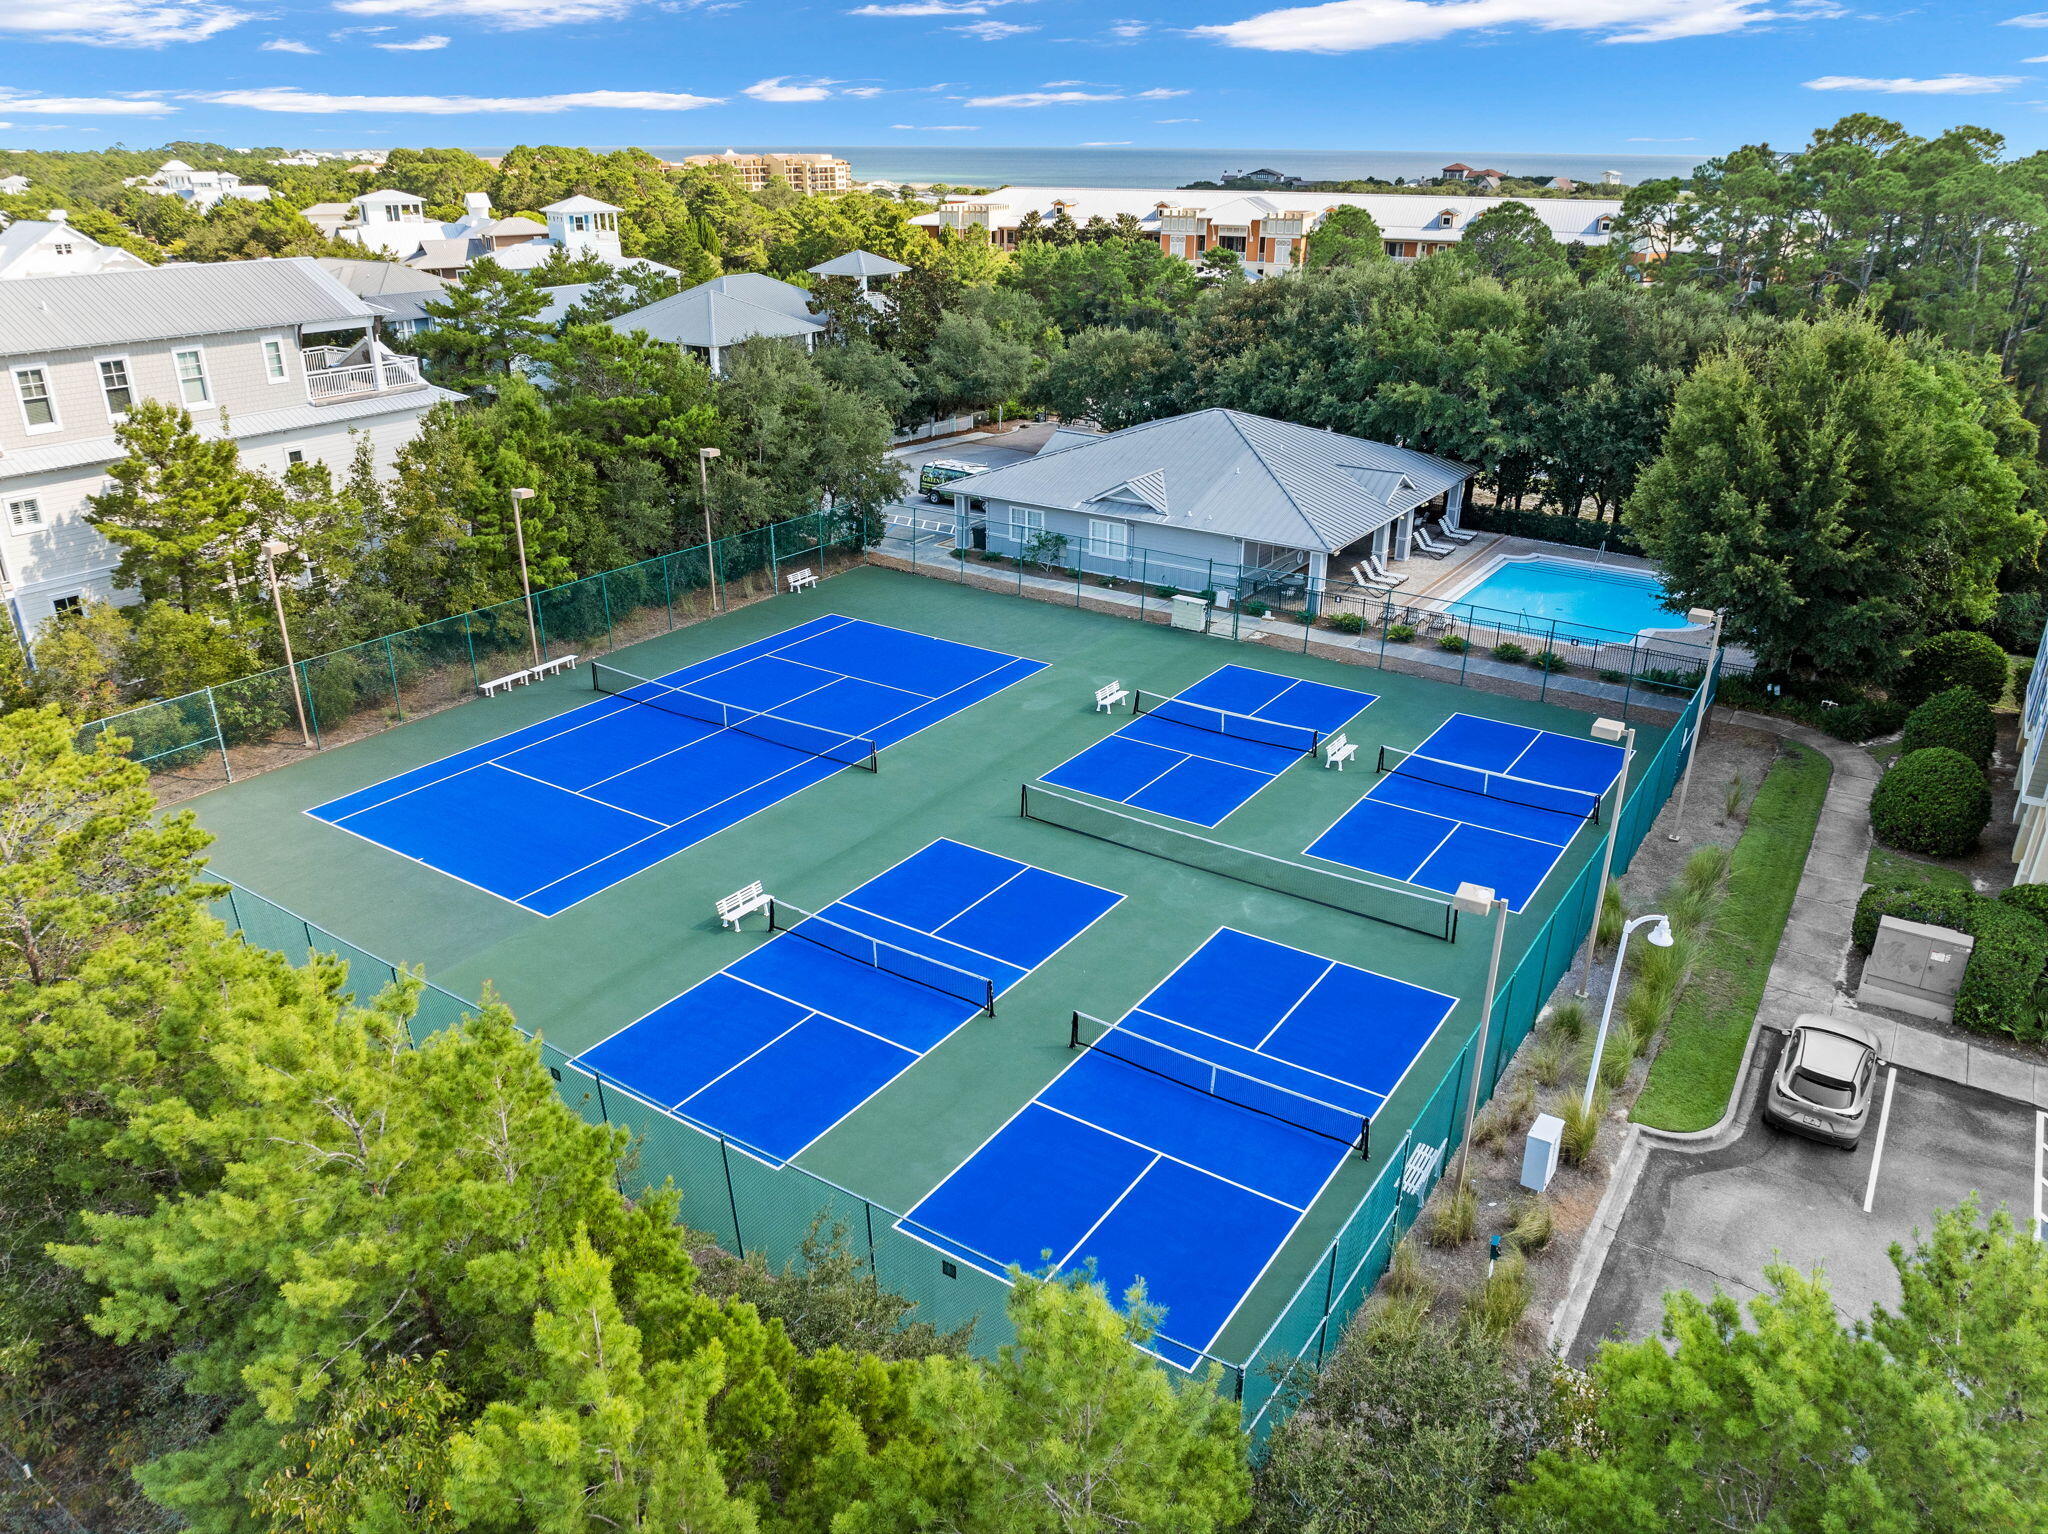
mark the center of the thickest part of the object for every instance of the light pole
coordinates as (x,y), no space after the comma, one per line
(1478,900)
(270,549)
(525,584)
(704,457)
(1692,747)
(1611,730)
(1660,937)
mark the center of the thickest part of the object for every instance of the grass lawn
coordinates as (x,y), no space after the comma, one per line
(1887,867)
(1694,1073)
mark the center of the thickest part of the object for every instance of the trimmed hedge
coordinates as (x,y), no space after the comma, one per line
(1934,802)
(1959,658)
(2031,898)
(1551,527)
(1957,719)
(2004,973)
(1858,720)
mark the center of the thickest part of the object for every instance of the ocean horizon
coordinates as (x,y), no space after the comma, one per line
(1118,165)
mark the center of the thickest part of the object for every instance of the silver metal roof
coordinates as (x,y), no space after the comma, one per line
(165,303)
(1226,472)
(768,292)
(705,317)
(858,263)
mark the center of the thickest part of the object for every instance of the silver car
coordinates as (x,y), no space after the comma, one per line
(1823,1084)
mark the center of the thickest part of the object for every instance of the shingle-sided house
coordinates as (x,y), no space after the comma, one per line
(1215,490)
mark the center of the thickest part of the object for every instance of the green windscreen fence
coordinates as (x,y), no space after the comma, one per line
(1397,904)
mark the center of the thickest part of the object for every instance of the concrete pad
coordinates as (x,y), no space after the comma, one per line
(1931,1055)
(2003,1075)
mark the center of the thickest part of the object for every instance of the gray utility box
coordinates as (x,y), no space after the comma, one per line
(1191,613)
(1915,969)
(1539,1152)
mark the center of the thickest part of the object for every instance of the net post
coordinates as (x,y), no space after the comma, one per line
(1074,1032)
(1365,1139)
(989,1006)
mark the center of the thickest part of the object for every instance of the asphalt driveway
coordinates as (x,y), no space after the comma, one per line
(1707,1220)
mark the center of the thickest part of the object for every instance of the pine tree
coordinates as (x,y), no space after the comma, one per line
(179,504)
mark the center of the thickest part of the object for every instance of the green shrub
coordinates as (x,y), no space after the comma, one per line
(1344,623)
(960,553)
(1457,644)
(1510,652)
(1400,633)
(2031,898)
(2017,623)
(1454,1219)
(1865,719)
(1614,678)
(1959,658)
(1253,608)
(2011,948)
(2022,673)
(1957,719)
(1166,593)
(1551,661)
(1933,801)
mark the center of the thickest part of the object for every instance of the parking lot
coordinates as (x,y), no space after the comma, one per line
(1702,1220)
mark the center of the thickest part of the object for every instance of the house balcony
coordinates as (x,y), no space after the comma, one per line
(331,379)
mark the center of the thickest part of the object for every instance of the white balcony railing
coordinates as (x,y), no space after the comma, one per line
(387,376)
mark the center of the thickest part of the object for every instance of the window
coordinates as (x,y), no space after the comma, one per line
(1109,540)
(192,385)
(115,386)
(1234,242)
(64,607)
(37,408)
(273,360)
(27,512)
(1024,521)
(296,455)
(62,250)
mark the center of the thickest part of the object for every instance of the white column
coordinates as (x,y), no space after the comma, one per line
(1404,533)
(1454,503)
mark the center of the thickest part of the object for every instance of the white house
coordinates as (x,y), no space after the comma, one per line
(395,224)
(13,186)
(36,247)
(1193,500)
(714,316)
(200,188)
(275,353)
(1268,231)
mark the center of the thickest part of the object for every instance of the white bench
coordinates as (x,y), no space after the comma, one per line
(802,580)
(742,903)
(498,684)
(1108,697)
(1338,750)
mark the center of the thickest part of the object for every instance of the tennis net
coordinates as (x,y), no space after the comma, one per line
(1397,905)
(1249,1092)
(1223,721)
(1531,793)
(811,739)
(890,958)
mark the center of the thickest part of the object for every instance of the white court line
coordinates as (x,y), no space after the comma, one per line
(704,1087)
(1261,1047)
(544,783)
(828,1016)
(1192,1166)
(1129,1189)
(370,841)
(1884,1121)
(720,729)
(1307,1070)
(920,932)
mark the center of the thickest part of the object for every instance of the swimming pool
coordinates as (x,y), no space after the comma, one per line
(1588,603)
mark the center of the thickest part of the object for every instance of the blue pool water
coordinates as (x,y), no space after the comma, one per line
(1588,603)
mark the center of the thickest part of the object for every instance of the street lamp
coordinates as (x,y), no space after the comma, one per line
(704,457)
(1610,730)
(525,584)
(1660,937)
(1478,900)
(271,548)
(1698,615)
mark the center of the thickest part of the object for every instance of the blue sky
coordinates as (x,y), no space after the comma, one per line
(1647,76)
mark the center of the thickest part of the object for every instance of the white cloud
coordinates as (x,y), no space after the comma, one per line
(2039,58)
(120,23)
(1345,26)
(288,45)
(2031,19)
(991,31)
(864,92)
(84,106)
(1104,143)
(510,15)
(1042,98)
(1129,31)
(933,128)
(929,8)
(286,98)
(1157,95)
(1939,85)
(425,44)
(778,88)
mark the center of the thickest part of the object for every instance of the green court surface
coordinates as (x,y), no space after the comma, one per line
(578,976)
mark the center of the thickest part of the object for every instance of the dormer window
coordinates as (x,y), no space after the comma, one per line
(1605,226)
(1446,218)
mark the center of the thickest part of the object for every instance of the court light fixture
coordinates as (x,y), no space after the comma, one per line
(1478,900)
(1614,732)
(1659,936)
(704,457)
(1702,616)
(525,584)
(272,550)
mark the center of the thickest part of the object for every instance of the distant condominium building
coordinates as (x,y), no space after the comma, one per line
(1268,231)
(805,172)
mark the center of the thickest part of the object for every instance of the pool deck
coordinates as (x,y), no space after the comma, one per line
(1433,577)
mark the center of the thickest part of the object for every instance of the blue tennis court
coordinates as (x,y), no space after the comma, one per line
(551,814)
(1479,802)
(779,1046)
(1183,1145)
(1201,754)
